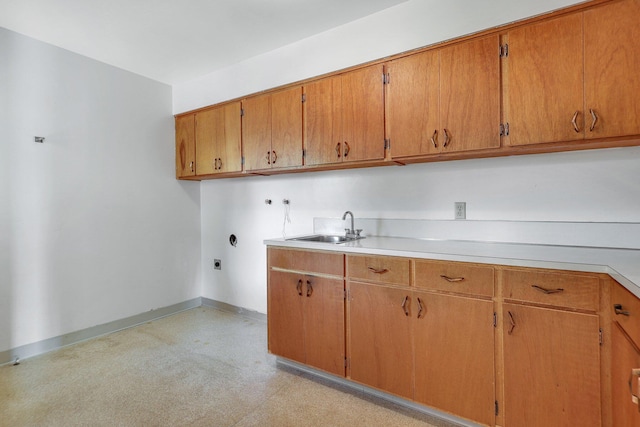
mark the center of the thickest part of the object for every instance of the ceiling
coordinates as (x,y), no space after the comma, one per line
(174,41)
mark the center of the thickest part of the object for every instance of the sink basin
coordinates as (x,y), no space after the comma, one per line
(323,238)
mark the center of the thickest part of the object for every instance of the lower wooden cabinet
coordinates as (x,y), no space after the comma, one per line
(496,345)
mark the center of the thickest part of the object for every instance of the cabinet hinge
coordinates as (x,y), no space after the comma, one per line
(242,160)
(387,144)
(504,129)
(600,337)
(497,411)
(304,153)
(504,50)
(242,112)
(495,319)
(346,363)
(386,79)
(304,97)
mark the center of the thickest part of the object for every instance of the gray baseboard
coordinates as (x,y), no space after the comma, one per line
(50,344)
(222,306)
(377,393)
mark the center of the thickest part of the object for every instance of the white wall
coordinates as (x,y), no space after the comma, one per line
(93,225)
(581,186)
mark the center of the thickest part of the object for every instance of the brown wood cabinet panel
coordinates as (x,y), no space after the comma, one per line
(551,367)
(544,74)
(612,61)
(625,357)
(630,306)
(185,146)
(557,289)
(470,95)
(330,263)
(256,132)
(322,121)
(363,114)
(454,356)
(455,277)
(413,104)
(324,324)
(380,337)
(286,315)
(379,269)
(218,133)
(286,128)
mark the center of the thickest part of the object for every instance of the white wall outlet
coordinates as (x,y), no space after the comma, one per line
(217,264)
(460,210)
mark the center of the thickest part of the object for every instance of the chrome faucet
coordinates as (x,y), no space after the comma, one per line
(351,233)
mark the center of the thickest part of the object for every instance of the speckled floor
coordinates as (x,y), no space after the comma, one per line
(201,367)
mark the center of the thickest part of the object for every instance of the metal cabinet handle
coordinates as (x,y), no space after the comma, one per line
(309,288)
(434,138)
(275,157)
(404,305)
(452,279)
(635,394)
(546,290)
(420,309)
(594,120)
(268,157)
(573,122)
(619,310)
(378,271)
(338,149)
(347,148)
(447,138)
(512,323)
(191,166)
(299,287)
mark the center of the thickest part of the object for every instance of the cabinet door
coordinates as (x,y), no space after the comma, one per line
(286,128)
(285,315)
(612,61)
(470,95)
(363,114)
(324,324)
(551,367)
(412,102)
(625,357)
(454,356)
(218,140)
(256,132)
(380,340)
(322,142)
(185,146)
(544,75)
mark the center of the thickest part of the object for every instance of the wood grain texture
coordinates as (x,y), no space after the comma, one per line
(470,95)
(612,61)
(552,368)
(185,146)
(322,121)
(476,280)
(208,124)
(286,128)
(229,143)
(256,132)
(454,357)
(630,304)
(394,270)
(545,81)
(330,263)
(625,357)
(380,343)
(285,318)
(413,104)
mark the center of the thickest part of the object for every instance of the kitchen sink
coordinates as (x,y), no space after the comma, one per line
(324,238)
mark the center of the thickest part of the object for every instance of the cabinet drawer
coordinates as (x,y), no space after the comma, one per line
(455,277)
(566,290)
(628,314)
(378,269)
(307,261)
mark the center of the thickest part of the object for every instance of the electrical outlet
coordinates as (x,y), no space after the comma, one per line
(217,264)
(460,209)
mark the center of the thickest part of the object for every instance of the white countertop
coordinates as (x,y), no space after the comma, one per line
(621,264)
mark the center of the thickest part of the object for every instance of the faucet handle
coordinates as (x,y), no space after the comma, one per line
(358,231)
(347,231)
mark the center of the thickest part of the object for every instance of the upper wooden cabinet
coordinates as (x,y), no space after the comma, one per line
(218,140)
(185,146)
(344,117)
(272,130)
(574,77)
(612,61)
(445,100)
